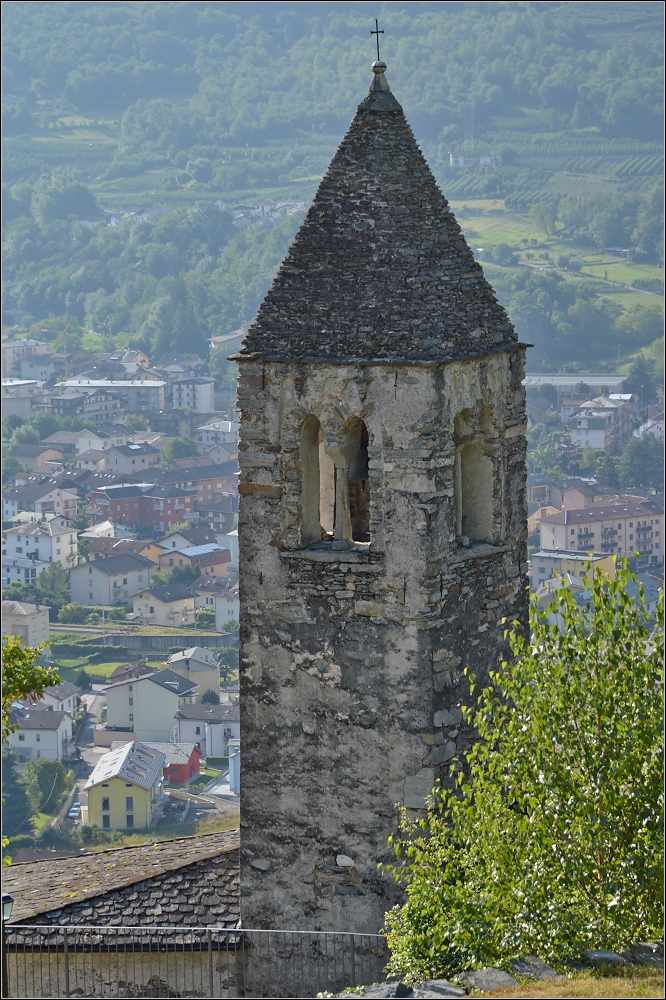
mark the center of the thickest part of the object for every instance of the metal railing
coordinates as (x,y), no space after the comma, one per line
(83,961)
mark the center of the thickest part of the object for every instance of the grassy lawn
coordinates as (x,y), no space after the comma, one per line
(628,981)
(40,821)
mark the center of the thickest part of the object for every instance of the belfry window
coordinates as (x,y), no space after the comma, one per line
(335,498)
(473,484)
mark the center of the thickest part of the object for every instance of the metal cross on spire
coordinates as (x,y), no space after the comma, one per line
(377,32)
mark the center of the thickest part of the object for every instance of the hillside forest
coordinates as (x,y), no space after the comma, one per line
(162,118)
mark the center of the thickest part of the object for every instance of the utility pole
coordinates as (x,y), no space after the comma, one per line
(103,627)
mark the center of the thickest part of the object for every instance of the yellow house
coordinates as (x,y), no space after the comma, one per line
(152,551)
(125,788)
(198,665)
(546,562)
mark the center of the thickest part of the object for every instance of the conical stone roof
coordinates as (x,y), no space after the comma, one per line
(379,269)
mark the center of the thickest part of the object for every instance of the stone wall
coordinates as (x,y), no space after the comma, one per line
(352,654)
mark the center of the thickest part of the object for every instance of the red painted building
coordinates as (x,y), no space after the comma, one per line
(182,761)
(159,507)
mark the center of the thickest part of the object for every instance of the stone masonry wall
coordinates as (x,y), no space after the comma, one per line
(352,660)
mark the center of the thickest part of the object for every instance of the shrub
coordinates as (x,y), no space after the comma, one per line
(210,698)
(552,844)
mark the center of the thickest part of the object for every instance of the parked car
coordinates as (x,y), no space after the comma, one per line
(74,811)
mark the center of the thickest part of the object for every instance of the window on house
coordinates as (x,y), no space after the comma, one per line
(131,701)
(106,822)
(573,530)
(105,804)
(129,803)
(129,822)
(198,730)
(21,737)
(131,718)
(38,738)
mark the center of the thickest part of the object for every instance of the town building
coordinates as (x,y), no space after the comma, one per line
(547,562)
(29,621)
(91,402)
(146,706)
(382,522)
(604,422)
(125,789)
(194,394)
(40,498)
(231,342)
(566,384)
(219,432)
(101,438)
(132,395)
(625,529)
(210,727)
(44,541)
(65,441)
(198,665)
(40,367)
(40,734)
(32,455)
(61,697)
(129,671)
(220,596)
(579,493)
(92,459)
(172,604)
(21,570)
(159,507)
(100,548)
(534,520)
(114,580)
(209,483)
(181,761)
(13,351)
(129,458)
(222,514)
(210,559)
(188,537)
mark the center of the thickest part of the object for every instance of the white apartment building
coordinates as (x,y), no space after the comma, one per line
(227,606)
(134,394)
(39,498)
(60,698)
(43,541)
(109,581)
(129,458)
(41,734)
(210,727)
(101,438)
(29,621)
(146,706)
(622,529)
(194,394)
(220,432)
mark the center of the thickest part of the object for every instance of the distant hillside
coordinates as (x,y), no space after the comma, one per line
(189,105)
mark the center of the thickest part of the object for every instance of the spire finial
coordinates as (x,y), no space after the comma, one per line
(377,32)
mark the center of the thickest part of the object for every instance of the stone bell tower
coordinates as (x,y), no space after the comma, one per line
(382,526)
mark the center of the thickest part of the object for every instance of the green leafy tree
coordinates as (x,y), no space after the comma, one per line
(228,663)
(82,518)
(45,780)
(43,423)
(16,808)
(10,466)
(10,422)
(23,679)
(53,584)
(551,842)
(542,215)
(641,463)
(606,470)
(83,680)
(641,378)
(73,614)
(210,698)
(178,447)
(135,422)
(24,435)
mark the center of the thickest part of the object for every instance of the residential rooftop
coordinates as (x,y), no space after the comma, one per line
(43,886)
(134,762)
(214,714)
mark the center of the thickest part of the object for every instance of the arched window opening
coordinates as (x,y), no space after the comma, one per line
(310,472)
(335,495)
(473,483)
(359,490)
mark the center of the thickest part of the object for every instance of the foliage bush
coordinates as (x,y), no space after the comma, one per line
(551,842)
